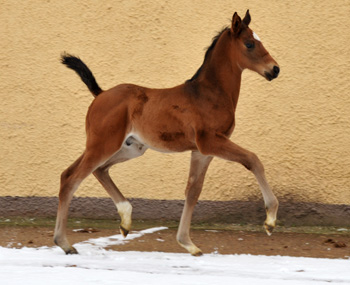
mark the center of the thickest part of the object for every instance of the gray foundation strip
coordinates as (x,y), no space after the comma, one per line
(252,212)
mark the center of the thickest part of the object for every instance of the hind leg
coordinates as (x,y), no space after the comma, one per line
(70,181)
(130,149)
(100,147)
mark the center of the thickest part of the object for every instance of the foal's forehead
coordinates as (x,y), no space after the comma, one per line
(255,36)
(250,33)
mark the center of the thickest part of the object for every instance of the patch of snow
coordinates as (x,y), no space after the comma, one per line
(342,230)
(96,265)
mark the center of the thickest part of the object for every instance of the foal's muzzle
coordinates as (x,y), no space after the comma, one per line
(273,74)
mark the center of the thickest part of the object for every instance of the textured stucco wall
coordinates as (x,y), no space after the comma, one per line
(297,124)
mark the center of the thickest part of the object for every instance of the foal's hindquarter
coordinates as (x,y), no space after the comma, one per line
(199,116)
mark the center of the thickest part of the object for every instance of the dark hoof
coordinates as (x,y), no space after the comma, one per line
(72,251)
(123,231)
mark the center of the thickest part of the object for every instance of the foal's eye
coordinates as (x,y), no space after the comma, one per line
(249,45)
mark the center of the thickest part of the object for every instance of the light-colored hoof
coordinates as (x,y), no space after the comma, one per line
(125,210)
(198,253)
(269,228)
(192,249)
(270,222)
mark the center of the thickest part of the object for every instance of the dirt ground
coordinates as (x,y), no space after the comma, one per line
(224,239)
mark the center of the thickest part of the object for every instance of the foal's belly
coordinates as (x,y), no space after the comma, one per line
(162,141)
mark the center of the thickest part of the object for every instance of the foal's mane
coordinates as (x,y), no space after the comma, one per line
(207,53)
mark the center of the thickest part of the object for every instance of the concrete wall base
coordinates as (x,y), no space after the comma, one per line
(252,212)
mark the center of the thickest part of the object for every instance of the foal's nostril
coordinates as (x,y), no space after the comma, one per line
(276,69)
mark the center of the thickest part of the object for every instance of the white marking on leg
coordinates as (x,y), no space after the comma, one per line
(125,210)
(256,36)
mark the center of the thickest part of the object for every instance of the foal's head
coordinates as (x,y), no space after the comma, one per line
(251,52)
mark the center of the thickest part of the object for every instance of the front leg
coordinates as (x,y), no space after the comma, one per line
(220,146)
(198,169)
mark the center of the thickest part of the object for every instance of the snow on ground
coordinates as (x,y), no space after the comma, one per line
(96,265)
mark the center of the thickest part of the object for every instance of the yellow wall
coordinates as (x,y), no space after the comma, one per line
(297,124)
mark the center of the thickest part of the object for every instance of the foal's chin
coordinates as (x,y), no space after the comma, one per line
(272,74)
(269,76)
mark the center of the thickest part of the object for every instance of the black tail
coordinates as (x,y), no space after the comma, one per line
(83,71)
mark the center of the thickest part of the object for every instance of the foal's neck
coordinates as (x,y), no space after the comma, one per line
(222,74)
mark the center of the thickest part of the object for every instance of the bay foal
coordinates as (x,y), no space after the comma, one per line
(197,116)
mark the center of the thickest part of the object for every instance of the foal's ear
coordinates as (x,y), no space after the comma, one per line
(236,27)
(247,18)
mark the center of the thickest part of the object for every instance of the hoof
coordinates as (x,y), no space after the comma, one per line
(192,249)
(72,250)
(198,253)
(123,231)
(269,229)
